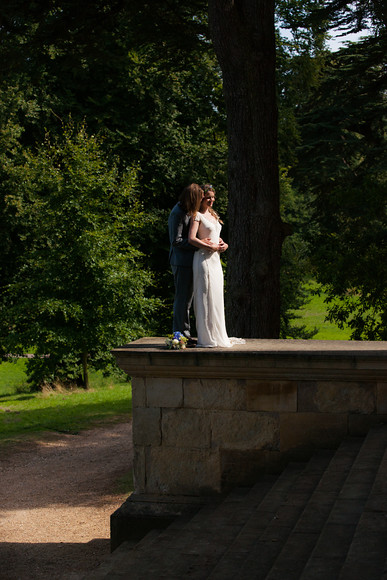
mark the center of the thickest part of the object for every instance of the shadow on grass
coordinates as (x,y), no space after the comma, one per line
(14,397)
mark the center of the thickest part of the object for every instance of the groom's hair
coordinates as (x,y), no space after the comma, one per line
(191,197)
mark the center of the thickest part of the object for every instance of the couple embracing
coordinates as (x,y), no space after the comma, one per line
(194,233)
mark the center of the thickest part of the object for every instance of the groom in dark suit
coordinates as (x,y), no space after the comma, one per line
(181,256)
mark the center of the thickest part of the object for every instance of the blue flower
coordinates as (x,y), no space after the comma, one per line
(176,341)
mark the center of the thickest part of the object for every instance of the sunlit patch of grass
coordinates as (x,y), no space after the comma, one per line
(313,316)
(13,376)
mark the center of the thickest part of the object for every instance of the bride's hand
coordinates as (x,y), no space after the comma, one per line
(210,244)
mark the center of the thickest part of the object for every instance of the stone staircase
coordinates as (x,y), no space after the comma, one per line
(323,520)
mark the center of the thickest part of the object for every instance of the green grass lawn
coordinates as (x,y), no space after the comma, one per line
(67,411)
(313,316)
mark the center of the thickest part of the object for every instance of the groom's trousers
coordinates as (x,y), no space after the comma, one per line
(183,279)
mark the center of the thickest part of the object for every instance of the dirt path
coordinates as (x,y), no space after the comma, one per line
(56,497)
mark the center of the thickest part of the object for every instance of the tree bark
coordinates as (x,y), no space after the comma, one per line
(243,35)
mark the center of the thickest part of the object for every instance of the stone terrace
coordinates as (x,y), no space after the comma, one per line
(207,421)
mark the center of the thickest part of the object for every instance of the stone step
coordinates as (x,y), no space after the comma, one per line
(196,548)
(302,539)
(120,557)
(258,545)
(326,519)
(367,556)
(211,540)
(206,537)
(130,552)
(333,545)
(124,561)
(176,550)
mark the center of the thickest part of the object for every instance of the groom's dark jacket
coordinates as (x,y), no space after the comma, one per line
(181,252)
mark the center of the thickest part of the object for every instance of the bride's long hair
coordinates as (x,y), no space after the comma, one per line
(191,198)
(207,187)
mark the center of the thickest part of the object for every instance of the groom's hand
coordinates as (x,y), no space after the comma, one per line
(222,246)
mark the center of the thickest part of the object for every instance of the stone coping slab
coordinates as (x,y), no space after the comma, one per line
(284,346)
(263,358)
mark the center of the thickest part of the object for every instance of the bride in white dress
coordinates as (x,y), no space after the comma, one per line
(208,275)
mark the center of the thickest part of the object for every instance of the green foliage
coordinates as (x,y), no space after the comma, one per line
(79,287)
(350,16)
(342,163)
(143,74)
(295,261)
(300,56)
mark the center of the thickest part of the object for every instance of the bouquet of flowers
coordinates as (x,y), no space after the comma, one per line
(176,341)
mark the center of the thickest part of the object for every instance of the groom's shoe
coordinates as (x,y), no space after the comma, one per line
(191,342)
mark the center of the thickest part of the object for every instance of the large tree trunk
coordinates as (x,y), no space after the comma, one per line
(244,41)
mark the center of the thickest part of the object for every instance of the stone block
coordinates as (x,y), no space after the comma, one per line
(147,426)
(164,392)
(229,394)
(138,392)
(188,428)
(336,397)
(181,471)
(317,430)
(139,473)
(278,396)
(381,398)
(176,360)
(245,430)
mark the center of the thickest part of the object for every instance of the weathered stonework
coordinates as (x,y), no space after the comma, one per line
(147,426)
(278,396)
(381,397)
(205,420)
(164,392)
(336,397)
(306,431)
(187,428)
(220,394)
(183,471)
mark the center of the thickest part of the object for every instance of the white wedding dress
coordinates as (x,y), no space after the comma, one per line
(208,290)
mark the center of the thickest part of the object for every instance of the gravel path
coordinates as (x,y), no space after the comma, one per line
(57,493)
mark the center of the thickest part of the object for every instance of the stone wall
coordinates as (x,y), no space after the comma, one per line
(205,420)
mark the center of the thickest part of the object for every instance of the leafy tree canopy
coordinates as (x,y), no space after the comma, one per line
(78,287)
(352,16)
(343,162)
